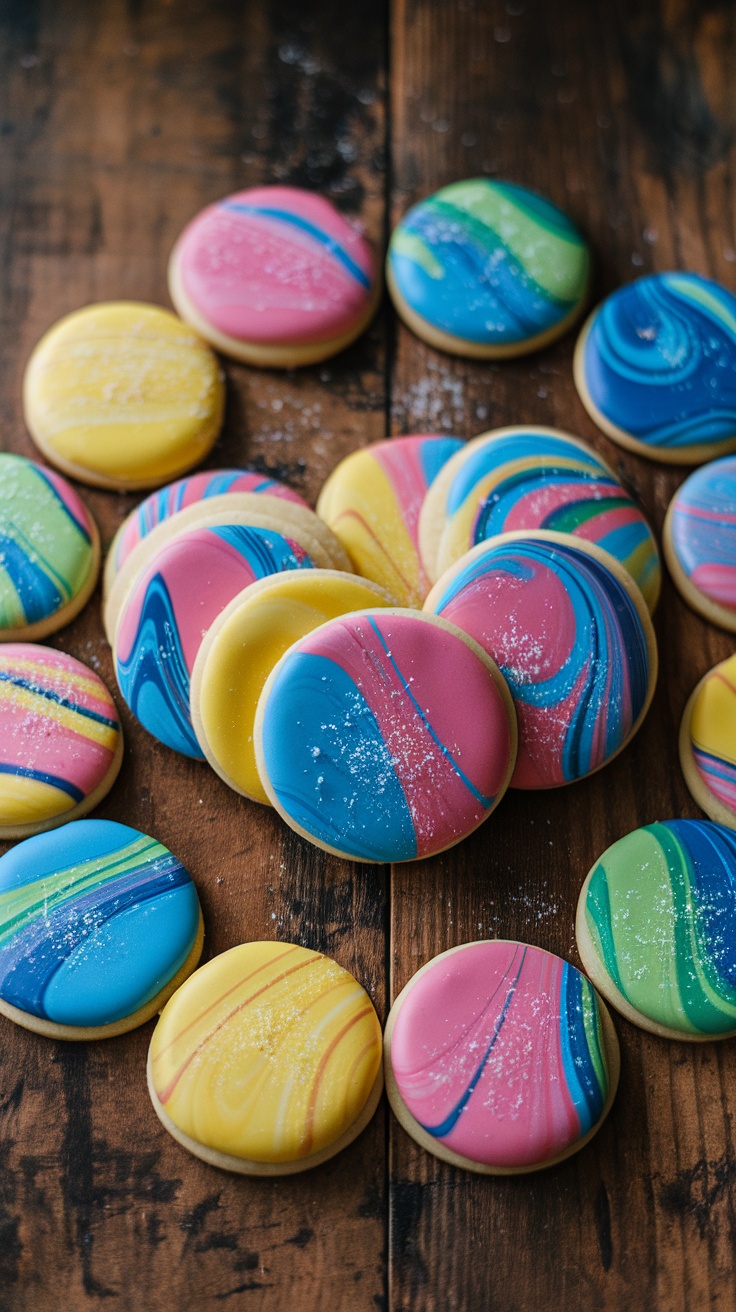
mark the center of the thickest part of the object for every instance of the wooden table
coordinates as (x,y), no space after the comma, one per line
(117,123)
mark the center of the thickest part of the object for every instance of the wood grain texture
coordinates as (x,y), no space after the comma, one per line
(117,122)
(621,115)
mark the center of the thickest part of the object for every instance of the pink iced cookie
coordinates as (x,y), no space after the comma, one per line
(274,276)
(500,1057)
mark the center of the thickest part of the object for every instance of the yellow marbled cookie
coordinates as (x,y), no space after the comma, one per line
(267,1060)
(123,395)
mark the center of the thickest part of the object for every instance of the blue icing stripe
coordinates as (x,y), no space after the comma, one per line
(154,680)
(49,695)
(435,453)
(660,360)
(55,780)
(350,800)
(711,856)
(266,551)
(296,221)
(519,446)
(39,595)
(580,1072)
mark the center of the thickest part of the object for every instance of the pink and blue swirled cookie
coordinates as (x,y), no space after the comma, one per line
(500,1058)
(699,541)
(364,746)
(274,276)
(61,744)
(99,924)
(571,633)
(531,478)
(372,501)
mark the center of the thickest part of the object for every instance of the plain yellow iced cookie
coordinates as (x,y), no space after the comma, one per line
(123,395)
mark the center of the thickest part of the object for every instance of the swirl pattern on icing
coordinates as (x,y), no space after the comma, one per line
(570,643)
(703,530)
(366,746)
(268,1052)
(95,920)
(170,607)
(185,492)
(536,479)
(659,361)
(489,262)
(46,543)
(276,265)
(497,1052)
(59,733)
(372,500)
(660,909)
(713,733)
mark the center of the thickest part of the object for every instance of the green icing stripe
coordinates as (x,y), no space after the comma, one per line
(598,919)
(593,1035)
(694,291)
(582,511)
(413,247)
(12,614)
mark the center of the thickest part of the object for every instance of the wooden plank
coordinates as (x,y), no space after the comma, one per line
(118,122)
(623,116)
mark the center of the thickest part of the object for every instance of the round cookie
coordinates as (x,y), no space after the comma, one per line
(500,1058)
(655,367)
(372,500)
(299,523)
(170,607)
(656,928)
(178,496)
(241,648)
(699,541)
(274,276)
(123,395)
(571,634)
(267,1061)
(532,478)
(49,550)
(708,743)
(487,269)
(99,924)
(364,746)
(61,744)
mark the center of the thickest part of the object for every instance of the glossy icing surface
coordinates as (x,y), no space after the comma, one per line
(660,909)
(169,609)
(124,390)
(659,360)
(372,500)
(537,479)
(568,640)
(276,265)
(95,920)
(713,733)
(262,626)
(185,492)
(368,748)
(489,262)
(497,1052)
(268,1052)
(703,530)
(46,543)
(59,732)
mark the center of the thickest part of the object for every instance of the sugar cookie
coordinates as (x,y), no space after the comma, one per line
(169,609)
(656,928)
(61,744)
(532,478)
(49,550)
(571,634)
(372,501)
(267,1061)
(274,276)
(178,496)
(241,648)
(500,1058)
(655,366)
(708,743)
(99,924)
(298,523)
(484,268)
(699,541)
(123,395)
(364,746)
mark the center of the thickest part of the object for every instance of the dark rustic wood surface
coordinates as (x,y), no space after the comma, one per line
(117,122)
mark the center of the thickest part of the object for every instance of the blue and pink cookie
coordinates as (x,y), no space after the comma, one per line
(699,541)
